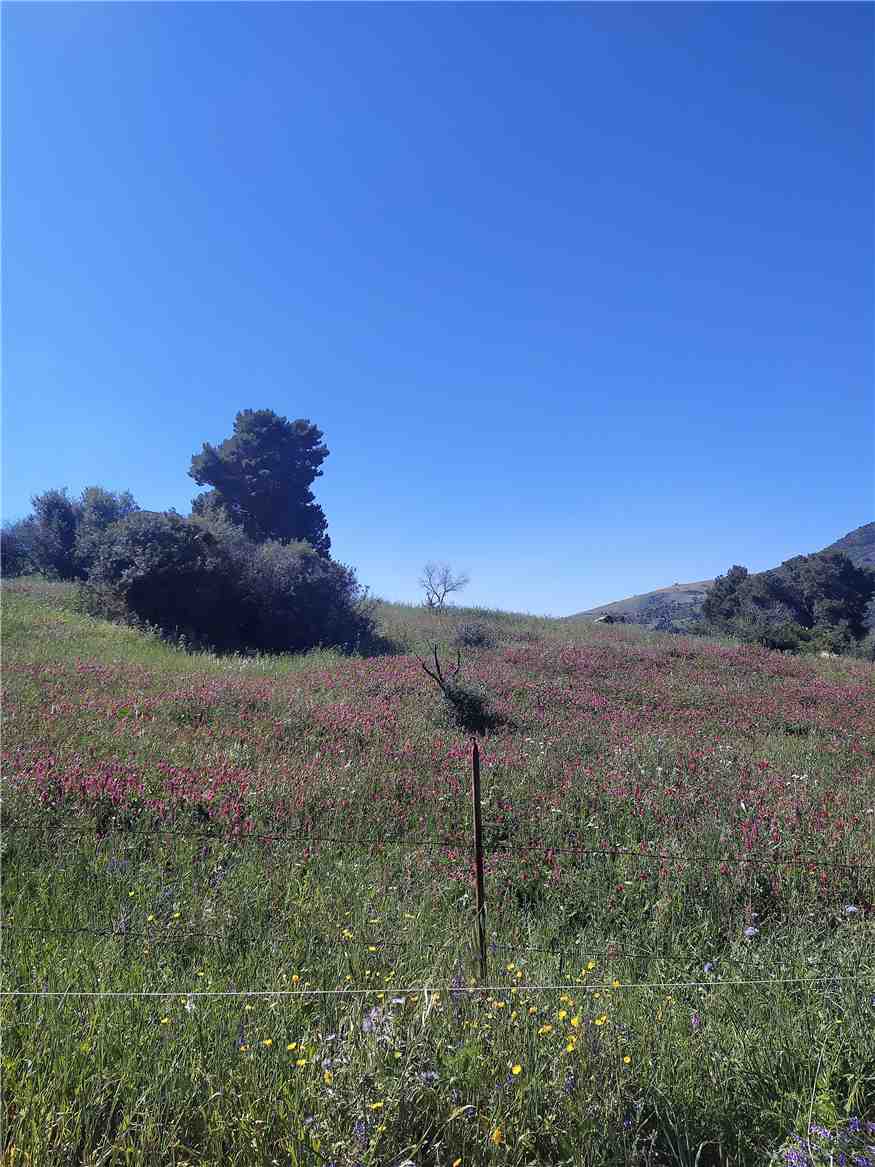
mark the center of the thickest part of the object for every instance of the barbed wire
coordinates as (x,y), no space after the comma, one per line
(558,952)
(439,990)
(102,831)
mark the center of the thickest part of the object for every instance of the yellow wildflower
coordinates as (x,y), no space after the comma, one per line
(376,1106)
(562,1014)
(268,1042)
(626,1060)
(545,1029)
(574,1022)
(516,1070)
(328,1077)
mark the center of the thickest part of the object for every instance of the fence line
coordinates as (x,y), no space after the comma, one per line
(540,846)
(441,990)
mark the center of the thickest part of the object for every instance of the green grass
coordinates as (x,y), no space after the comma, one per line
(188,824)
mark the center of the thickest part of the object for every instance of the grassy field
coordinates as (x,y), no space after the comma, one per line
(680,876)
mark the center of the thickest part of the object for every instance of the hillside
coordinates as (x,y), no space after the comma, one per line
(269,859)
(664,607)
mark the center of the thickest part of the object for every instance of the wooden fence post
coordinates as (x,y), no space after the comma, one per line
(478,860)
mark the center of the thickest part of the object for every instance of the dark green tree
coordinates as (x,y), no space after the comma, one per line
(97,509)
(723,602)
(261,478)
(55,518)
(17,548)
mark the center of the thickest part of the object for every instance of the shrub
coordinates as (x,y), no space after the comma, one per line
(203,580)
(168,572)
(97,509)
(17,548)
(55,518)
(294,598)
(472,634)
(469,706)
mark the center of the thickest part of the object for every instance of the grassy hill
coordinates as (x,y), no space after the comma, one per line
(679,881)
(667,606)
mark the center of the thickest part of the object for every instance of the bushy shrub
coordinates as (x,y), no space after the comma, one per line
(17,548)
(204,581)
(294,598)
(469,706)
(97,509)
(473,634)
(55,519)
(166,571)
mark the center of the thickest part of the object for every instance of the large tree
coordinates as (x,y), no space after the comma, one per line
(261,478)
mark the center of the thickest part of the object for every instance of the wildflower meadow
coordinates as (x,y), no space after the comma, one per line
(238,900)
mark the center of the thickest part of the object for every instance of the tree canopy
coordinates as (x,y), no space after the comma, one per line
(261,478)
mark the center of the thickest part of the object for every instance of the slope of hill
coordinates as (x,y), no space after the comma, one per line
(664,607)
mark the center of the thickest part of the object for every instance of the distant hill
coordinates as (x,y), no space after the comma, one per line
(665,608)
(859,545)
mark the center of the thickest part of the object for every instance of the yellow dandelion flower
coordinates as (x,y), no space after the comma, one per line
(293,1045)
(497,1137)
(511,967)
(376,1106)
(601,1020)
(372,948)
(244,1048)
(149,919)
(301,1062)
(165,1020)
(545,1029)
(328,1077)
(615,984)
(590,966)
(532,1010)
(571,1047)
(516,1070)
(574,1022)
(562,1014)
(296,980)
(268,1042)
(626,1060)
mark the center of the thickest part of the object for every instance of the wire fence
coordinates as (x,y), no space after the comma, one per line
(102,831)
(211,831)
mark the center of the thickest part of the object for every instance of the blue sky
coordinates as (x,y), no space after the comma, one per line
(580,295)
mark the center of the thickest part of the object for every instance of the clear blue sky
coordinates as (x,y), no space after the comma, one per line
(581,295)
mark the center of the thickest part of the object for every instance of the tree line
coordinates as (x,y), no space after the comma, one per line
(821,602)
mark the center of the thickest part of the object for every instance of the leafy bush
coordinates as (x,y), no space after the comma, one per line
(294,598)
(472,634)
(17,548)
(204,581)
(168,572)
(97,509)
(469,706)
(55,519)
